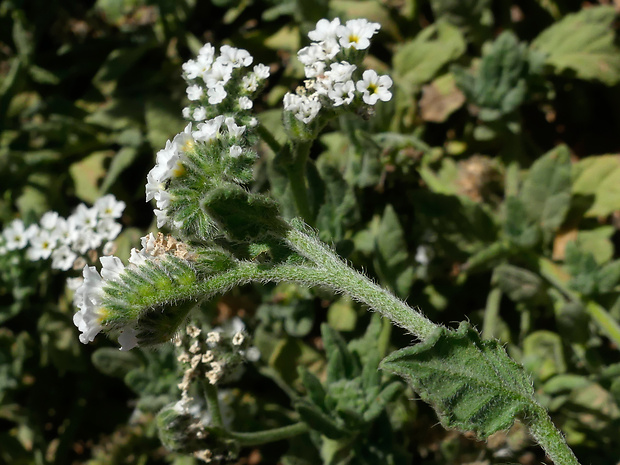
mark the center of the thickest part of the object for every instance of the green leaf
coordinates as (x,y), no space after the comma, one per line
(342,315)
(391,258)
(546,192)
(582,44)
(518,283)
(518,226)
(317,420)
(87,174)
(543,355)
(120,162)
(598,177)
(420,59)
(501,82)
(472,384)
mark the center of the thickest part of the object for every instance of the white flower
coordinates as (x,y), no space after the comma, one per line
(324,30)
(340,72)
(186,112)
(206,53)
(238,338)
(15,235)
(342,94)
(219,74)
(91,314)
(200,114)
(309,110)
(108,207)
(233,129)
(108,229)
(216,94)
(86,240)
(261,71)
(194,92)
(208,130)
(374,87)
(249,83)
(236,57)
(138,257)
(127,339)
(65,231)
(245,103)
(162,217)
(214,338)
(291,102)
(49,220)
(74,283)
(63,258)
(356,33)
(41,246)
(235,151)
(202,64)
(85,218)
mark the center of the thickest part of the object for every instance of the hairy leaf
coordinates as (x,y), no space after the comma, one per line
(582,43)
(472,384)
(419,60)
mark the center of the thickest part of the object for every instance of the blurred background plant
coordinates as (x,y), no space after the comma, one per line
(488,188)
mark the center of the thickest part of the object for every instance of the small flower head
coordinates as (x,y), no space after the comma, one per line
(374,87)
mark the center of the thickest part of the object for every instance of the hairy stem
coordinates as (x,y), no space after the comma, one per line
(337,275)
(550,439)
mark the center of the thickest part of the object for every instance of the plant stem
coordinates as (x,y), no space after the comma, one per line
(269,139)
(337,275)
(270,435)
(599,315)
(491,313)
(550,439)
(297,179)
(213,404)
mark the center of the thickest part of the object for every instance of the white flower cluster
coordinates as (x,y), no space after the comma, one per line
(213,78)
(89,295)
(64,239)
(172,160)
(332,79)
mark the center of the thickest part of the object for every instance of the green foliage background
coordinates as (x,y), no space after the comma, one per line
(488,189)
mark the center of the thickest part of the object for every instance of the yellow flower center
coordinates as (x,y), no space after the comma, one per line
(372,88)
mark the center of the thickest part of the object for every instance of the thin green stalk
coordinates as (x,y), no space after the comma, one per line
(269,139)
(550,439)
(491,313)
(213,404)
(270,435)
(297,179)
(599,315)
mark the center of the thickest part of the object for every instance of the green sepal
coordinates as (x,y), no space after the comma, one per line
(472,384)
(317,420)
